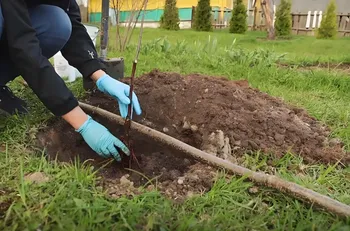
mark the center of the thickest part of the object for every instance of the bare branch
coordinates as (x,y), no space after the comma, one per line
(134,9)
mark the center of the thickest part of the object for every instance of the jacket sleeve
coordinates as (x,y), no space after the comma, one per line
(80,51)
(25,51)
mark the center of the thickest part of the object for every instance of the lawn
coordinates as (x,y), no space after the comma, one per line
(71,199)
(300,49)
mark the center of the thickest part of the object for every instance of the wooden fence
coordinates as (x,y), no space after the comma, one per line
(306,24)
(302,23)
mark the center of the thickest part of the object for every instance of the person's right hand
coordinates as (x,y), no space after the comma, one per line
(101,140)
(120,91)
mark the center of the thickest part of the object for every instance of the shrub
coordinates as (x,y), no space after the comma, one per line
(283,23)
(328,27)
(238,22)
(203,16)
(170,19)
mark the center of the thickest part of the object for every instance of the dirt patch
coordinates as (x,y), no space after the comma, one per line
(161,168)
(224,118)
(340,67)
(277,38)
(5,203)
(37,178)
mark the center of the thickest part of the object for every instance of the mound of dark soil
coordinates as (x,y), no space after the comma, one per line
(222,117)
(229,118)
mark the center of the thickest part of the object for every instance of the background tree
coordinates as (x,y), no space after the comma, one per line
(203,16)
(170,19)
(328,27)
(283,23)
(123,36)
(238,22)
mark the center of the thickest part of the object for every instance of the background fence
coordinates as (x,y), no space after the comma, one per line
(307,23)
(302,23)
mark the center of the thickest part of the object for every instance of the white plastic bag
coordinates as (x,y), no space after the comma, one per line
(61,65)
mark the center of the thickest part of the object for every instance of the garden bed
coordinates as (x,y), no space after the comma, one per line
(222,117)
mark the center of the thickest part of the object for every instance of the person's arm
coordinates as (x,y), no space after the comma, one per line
(76,117)
(25,51)
(80,51)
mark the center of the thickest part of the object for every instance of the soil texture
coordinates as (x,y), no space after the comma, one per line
(229,118)
(161,168)
(222,117)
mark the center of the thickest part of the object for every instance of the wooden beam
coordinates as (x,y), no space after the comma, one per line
(254,17)
(267,8)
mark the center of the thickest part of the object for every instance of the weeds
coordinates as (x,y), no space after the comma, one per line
(211,52)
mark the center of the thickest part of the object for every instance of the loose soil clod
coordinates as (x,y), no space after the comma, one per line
(224,118)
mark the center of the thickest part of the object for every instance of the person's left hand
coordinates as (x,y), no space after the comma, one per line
(101,140)
(120,91)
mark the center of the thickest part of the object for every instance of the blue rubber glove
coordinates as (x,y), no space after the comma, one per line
(101,140)
(120,91)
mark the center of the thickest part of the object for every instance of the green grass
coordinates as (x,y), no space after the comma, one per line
(71,199)
(299,49)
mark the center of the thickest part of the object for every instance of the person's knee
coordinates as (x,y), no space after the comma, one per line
(62,24)
(53,28)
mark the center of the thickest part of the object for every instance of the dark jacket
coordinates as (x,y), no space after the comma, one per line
(34,67)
